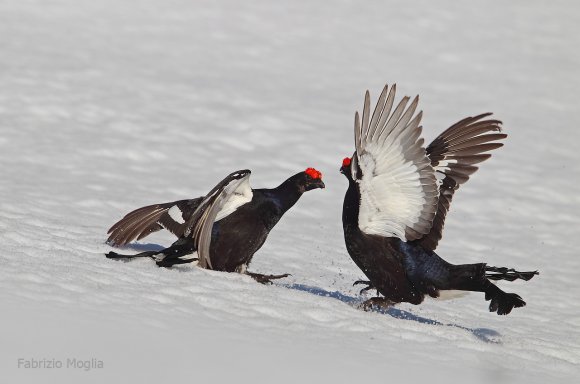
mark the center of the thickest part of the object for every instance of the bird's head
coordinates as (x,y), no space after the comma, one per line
(345,169)
(310,179)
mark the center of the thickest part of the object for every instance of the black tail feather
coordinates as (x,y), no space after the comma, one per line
(509,274)
(115,255)
(179,253)
(477,277)
(168,262)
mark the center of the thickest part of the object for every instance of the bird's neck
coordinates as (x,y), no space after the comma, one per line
(286,195)
(351,206)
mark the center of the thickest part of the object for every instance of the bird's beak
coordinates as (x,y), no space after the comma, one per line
(315,183)
(318,183)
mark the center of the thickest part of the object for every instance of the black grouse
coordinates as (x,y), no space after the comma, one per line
(397,199)
(220,231)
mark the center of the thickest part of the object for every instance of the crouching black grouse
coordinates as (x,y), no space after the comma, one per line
(220,231)
(397,199)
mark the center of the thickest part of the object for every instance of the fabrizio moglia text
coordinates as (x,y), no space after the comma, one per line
(68,363)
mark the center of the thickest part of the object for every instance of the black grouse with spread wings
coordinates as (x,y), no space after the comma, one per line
(398,197)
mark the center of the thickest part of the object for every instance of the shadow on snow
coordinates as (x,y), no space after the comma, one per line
(139,247)
(484,334)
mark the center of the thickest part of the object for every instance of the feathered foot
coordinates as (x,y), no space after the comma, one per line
(502,302)
(368,284)
(379,302)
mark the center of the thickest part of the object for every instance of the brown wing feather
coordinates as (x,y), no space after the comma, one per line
(146,220)
(453,155)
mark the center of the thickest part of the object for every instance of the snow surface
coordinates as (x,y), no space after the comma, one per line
(110,105)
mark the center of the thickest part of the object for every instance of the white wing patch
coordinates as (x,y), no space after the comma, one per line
(242,195)
(398,186)
(392,200)
(176,214)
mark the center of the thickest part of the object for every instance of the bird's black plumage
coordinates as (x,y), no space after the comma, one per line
(234,239)
(397,200)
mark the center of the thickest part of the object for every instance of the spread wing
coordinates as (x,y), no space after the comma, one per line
(453,155)
(397,183)
(227,196)
(146,220)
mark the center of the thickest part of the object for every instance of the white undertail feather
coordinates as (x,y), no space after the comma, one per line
(191,256)
(450,295)
(242,268)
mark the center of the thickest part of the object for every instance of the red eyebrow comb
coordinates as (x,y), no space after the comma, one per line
(313,173)
(346,161)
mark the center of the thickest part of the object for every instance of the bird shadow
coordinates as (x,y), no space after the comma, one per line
(484,334)
(139,247)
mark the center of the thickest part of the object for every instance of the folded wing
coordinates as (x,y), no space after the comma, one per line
(228,195)
(397,182)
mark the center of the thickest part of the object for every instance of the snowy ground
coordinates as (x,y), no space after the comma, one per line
(106,106)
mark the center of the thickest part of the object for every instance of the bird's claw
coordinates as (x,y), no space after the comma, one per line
(380,302)
(366,282)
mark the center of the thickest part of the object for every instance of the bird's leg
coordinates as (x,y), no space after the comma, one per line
(380,302)
(367,288)
(265,279)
